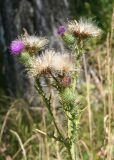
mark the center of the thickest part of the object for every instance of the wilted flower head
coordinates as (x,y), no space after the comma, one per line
(62,62)
(66,81)
(51,61)
(83,28)
(34,44)
(41,64)
(61,30)
(16,47)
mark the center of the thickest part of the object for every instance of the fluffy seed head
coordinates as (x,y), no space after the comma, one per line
(83,28)
(62,63)
(41,64)
(34,44)
(16,47)
(51,61)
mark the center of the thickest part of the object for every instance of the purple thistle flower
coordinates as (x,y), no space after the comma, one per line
(61,30)
(16,47)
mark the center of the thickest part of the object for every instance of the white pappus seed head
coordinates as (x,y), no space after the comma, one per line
(34,44)
(41,64)
(84,28)
(62,62)
(51,61)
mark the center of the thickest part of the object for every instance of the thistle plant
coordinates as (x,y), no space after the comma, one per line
(62,71)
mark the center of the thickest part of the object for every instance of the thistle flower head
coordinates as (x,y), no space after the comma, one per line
(41,64)
(83,28)
(61,30)
(51,61)
(16,47)
(62,63)
(37,66)
(34,44)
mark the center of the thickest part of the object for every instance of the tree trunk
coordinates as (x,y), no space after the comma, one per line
(39,17)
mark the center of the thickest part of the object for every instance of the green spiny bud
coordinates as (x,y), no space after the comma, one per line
(68,38)
(24,57)
(68,97)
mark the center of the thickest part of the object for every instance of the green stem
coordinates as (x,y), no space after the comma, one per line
(70,135)
(47,103)
(70,154)
(78,50)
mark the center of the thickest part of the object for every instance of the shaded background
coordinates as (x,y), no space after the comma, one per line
(39,17)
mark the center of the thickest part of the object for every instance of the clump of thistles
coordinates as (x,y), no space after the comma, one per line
(51,61)
(34,44)
(83,28)
(16,47)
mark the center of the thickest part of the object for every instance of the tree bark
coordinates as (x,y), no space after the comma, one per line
(40,17)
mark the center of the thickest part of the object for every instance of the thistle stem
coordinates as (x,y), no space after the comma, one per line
(70,137)
(78,49)
(48,105)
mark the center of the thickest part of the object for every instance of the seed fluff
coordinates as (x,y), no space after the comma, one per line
(51,61)
(34,44)
(84,28)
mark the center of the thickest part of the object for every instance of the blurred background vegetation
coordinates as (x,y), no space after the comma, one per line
(99,10)
(24,122)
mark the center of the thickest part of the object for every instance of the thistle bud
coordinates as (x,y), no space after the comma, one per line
(68,97)
(68,38)
(24,57)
